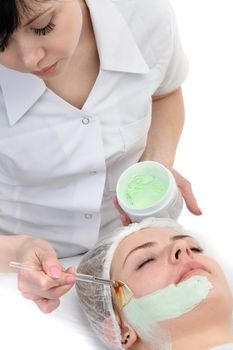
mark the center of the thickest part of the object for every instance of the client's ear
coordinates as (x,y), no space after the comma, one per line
(109,331)
(128,335)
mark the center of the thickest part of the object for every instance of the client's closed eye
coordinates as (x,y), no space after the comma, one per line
(196,249)
(144,262)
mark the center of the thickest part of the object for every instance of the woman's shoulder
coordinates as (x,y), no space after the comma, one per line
(149,10)
(151,23)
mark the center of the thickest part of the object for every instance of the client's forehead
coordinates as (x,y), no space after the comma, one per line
(157,234)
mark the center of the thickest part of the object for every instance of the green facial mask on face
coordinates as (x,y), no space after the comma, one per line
(143,314)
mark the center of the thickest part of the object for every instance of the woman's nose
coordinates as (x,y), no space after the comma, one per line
(180,251)
(31,57)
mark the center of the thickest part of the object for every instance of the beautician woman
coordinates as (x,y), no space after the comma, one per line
(88,87)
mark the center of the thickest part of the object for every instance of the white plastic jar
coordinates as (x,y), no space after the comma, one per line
(149,189)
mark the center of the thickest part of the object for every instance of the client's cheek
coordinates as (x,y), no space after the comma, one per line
(145,313)
(147,282)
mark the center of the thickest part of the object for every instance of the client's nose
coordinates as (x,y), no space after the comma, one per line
(180,251)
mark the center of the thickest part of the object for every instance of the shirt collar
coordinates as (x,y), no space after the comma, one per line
(20,92)
(117,49)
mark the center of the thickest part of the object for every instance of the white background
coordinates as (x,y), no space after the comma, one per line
(204,156)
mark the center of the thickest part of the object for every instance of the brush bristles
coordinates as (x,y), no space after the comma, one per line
(122,294)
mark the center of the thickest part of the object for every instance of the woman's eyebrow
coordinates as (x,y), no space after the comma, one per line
(175,238)
(38,15)
(142,246)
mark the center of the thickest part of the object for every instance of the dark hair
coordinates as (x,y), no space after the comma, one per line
(10,18)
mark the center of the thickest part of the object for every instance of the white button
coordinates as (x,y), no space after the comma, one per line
(93,172)
(85,121)
(88,216)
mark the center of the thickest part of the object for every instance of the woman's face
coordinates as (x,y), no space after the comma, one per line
(154,258)
(46,41)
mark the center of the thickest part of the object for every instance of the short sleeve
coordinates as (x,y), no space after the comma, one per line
(177,68)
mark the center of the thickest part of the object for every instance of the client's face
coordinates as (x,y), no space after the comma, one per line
(154,258)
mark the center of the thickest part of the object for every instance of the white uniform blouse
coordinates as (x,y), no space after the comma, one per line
(58,164)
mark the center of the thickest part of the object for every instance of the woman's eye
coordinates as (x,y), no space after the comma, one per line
(46,30)
(147,261)
(196,250)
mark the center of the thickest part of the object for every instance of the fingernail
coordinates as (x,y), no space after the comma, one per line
(55,272)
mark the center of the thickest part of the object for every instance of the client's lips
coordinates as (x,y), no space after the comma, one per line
(189,269)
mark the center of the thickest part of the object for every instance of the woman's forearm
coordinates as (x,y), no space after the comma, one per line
(166,127)
(9,246)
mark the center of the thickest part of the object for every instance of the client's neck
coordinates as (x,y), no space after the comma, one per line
(206,338)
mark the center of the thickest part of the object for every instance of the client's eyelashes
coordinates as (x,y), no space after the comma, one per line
(196,249)
(145,262)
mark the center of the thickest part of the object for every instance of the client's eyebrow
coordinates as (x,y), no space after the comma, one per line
(38,15)
(152,244)
(175,238)
(142,246)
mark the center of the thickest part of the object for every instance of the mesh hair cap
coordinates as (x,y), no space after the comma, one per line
(96,299)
